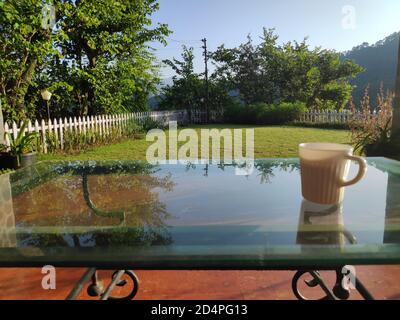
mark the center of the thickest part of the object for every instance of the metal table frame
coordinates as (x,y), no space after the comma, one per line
(97,289)
(338,292)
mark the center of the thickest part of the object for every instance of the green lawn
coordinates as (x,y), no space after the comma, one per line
(270,142)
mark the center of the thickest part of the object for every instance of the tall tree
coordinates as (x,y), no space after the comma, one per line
(246,70)
(188,90)
(106,40)
(24,43)
(95,59)
(272,73)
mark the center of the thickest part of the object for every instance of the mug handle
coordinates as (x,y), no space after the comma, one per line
(361,173)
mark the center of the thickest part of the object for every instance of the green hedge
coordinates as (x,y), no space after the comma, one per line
(264,114)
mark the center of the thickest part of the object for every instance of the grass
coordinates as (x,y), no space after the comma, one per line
(270,142)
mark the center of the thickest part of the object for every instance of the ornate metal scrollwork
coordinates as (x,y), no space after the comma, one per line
(337,293)
(135,285)
(96,288)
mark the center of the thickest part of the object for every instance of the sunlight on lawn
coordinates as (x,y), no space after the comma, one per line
(270,142)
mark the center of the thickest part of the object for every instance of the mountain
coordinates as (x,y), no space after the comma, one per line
(380,63)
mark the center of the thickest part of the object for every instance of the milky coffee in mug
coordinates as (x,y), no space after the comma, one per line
(324,170)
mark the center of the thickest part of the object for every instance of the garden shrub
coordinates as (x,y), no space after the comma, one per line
(132,128)
(148,124)
(281,113)
(76,141)
(265,114)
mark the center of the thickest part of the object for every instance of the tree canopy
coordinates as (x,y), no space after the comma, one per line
(266,73)
(272,73)
(24,46)
(95,59)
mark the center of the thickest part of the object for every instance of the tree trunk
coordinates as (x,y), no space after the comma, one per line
(91,97)
(17,98)
(2,138)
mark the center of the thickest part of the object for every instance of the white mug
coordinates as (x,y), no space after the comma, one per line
(324,170)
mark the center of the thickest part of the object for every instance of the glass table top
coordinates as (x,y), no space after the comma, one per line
(133,215)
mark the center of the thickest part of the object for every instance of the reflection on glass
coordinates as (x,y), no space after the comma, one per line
(94,205)
(265,169)
(390,168)
(7,217)
(173,207)
(392,218)
(322,225)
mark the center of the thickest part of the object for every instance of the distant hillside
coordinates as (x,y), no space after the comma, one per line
(380,62)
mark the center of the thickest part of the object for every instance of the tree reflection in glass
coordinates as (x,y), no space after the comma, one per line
(265,169)
(95,207)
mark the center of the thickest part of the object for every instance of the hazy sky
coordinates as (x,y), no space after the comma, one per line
(335,24)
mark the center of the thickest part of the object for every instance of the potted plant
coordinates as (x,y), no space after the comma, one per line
(6,159)
(21,150)
(380,143)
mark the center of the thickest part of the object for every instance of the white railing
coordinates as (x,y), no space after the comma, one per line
(333,116)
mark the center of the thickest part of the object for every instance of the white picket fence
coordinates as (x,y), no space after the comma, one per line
(105,124)
(333,116)
(102,125)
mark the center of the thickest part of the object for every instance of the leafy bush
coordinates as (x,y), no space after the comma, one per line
(240,114)
(21,143)
(282,113)
(76,141)
(148,124)
(265,114)
(51,142)
(132,129)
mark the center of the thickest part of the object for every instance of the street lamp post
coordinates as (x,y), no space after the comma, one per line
(46,95)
